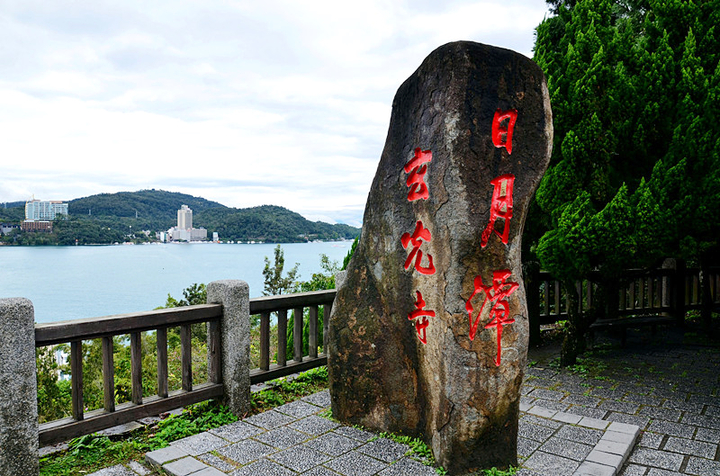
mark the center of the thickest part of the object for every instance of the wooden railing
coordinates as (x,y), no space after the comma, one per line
(642,292)
(133,325)
(106,328)
(280,305)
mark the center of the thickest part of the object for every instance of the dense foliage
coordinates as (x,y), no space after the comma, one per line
(269,223)
(635,171)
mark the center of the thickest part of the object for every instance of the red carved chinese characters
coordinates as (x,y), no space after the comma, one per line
(501,207)
(502,135)
(420,315)
(417,168)
(497,295)
(419,235)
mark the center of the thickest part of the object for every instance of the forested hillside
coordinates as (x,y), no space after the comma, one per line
(123,217)
(269,223)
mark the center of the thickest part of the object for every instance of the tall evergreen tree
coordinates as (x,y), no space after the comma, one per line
(634,173)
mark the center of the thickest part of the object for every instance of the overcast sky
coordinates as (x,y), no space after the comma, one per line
(245,102)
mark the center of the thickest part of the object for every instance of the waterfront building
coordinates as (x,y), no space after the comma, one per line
(184,230)
(46,210)
(36,225)
(184,218)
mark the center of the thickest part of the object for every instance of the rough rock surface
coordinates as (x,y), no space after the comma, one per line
(451,390)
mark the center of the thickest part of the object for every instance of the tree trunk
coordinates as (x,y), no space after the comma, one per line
(574,341)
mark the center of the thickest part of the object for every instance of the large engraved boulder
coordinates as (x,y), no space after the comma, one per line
(429,331)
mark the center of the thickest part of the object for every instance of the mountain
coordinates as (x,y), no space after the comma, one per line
(269,223)
(116,217)
(156,207)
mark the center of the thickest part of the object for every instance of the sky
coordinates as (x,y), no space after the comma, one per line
(242,102)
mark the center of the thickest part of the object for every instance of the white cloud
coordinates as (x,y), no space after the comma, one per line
(245,103)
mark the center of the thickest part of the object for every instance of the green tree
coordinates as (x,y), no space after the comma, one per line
(634,172)
(275,283)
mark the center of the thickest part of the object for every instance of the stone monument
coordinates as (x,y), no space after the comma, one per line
(429,331)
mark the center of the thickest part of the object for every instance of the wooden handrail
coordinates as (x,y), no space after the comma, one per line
(95,327)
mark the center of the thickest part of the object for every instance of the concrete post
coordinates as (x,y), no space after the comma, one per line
(234,295)
(18,389)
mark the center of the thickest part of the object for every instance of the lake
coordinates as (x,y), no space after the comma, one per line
(73,282)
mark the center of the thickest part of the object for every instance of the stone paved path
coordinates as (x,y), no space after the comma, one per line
(669,392)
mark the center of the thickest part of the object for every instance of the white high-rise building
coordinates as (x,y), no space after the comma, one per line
(185,218)
(44,210)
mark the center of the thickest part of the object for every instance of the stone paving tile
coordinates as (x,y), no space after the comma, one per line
(297,409)
(184,467)
(245,451)
(702,467)
(662,472)
(333,444)
(613,394)
(566,448)
(263,467)
(651,440)
(704,399)
(588,412)
(270,419)
(117,470)
(582,400)
(548,464)
(354,433)
(713,411)
(656,458)
(200,443)
(643,399)
(208,472)
(671,428)
(408,467)
(547,394)
(217,462)
(640,421)
(690,447)
(579,434)
(658,413)
(526,447)
(314,425)
(682,405)
(551,404)
(540,421)
(320,471)
(356,464)
(541,372)
(163,455)
(236,431)
(526,400)
(321,399)
(617,406)
(534,432)
(138,468)
(281,438)
(384,450)
(706,434)
(634,470)
(701,420)
(300,458)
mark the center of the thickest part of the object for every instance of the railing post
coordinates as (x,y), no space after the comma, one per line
(234,295)
(18,389)
(679,292)
(532,294)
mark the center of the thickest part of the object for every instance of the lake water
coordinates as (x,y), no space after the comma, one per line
(73,282)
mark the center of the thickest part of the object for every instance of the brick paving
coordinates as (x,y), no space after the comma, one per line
(652,409)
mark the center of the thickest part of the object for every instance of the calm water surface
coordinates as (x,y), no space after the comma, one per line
(72,282)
